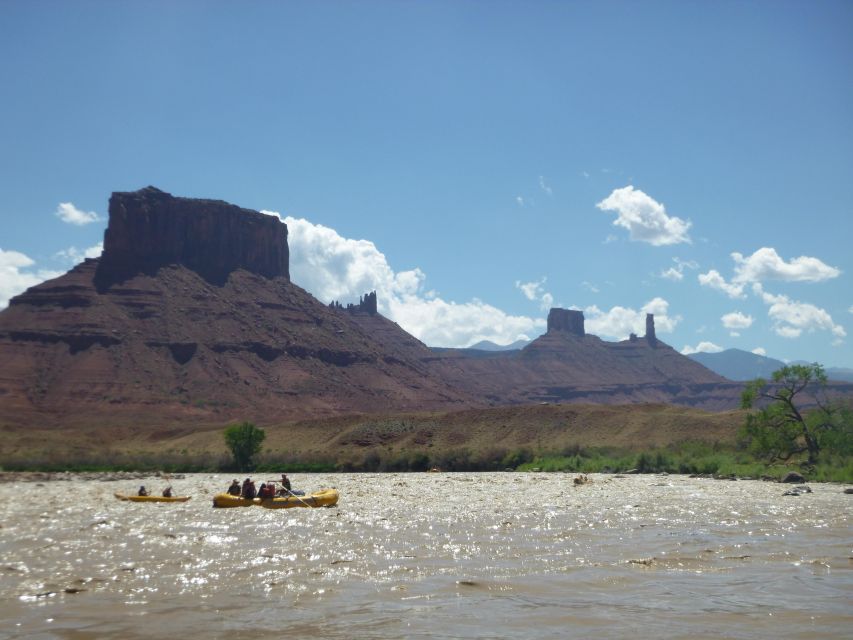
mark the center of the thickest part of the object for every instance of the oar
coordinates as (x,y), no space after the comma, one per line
(298,498)
(290,492)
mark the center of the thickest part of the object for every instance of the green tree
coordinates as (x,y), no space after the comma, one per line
(244,440)
(780,427)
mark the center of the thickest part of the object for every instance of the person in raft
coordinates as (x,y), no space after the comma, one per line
(285,486)
(234,489)
(267,491)
(167,492)
(248,490)
(142,491)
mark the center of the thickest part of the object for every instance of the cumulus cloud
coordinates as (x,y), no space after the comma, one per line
(702,347)
(619,321)
(645,218)
(791,317)
(544,186)
(676,273)
(766,264)
(333,267)
(536,291)
(17,274)
(850,310)
(759,351)
(73,255)
(714,280)
(672,274)
(736,320)
(67,212)
(519,201)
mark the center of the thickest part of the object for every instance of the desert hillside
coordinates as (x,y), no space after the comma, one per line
(480,432)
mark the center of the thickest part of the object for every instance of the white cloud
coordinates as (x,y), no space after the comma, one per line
(736,320)
(702,347)
(850,310)
(590,287)
(619,322)
(519,201)
(17,275)
(759,351)
(336,268)
(73,255)
(676,273)
(791,318)
(788,331)
(544,186)
(536,291)
(644,217)
(766,264)
(530,289)
(67,212)
(714,280)
(673,273)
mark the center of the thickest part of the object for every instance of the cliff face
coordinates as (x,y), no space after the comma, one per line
(566,320)
(149,229)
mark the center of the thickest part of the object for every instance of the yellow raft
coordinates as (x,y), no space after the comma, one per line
(121,496)
(322,498)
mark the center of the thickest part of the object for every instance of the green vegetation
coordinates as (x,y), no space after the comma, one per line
(781,429)
(244,441)
(686,457)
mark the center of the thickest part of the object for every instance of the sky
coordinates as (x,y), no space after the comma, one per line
(475,163)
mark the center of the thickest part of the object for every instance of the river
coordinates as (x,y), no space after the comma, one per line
(431,555)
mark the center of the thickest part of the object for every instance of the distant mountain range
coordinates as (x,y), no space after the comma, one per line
(488,345)
(736,364)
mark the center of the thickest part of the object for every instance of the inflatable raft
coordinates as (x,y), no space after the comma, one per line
(121,496)
(322,498)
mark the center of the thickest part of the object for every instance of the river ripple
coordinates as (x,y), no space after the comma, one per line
(486,555)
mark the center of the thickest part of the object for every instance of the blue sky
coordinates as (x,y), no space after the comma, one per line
(475,162)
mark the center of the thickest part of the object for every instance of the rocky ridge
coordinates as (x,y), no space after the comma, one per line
(189,316)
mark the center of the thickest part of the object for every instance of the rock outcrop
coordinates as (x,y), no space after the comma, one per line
(566,320)
(366,304)
(149,229)
(651,338)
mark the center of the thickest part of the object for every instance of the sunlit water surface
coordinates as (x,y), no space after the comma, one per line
(441,555)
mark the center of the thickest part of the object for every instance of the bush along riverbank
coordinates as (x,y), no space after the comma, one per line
(692,458)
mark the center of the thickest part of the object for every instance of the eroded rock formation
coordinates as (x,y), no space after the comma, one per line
(190,316)
(366,304)
(149,229)
(567,320)
(651,338)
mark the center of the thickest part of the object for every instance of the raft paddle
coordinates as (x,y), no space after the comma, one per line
(298,498)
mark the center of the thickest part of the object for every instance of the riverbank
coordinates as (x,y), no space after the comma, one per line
(570,437)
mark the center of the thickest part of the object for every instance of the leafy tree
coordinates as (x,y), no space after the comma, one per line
(781,428)
(244,440)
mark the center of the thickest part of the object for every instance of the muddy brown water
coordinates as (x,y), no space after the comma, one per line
(441,555)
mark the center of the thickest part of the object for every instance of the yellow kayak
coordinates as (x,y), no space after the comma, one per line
(121,496)
(322,498)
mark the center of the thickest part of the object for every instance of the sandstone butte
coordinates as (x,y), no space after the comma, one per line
(189,319)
